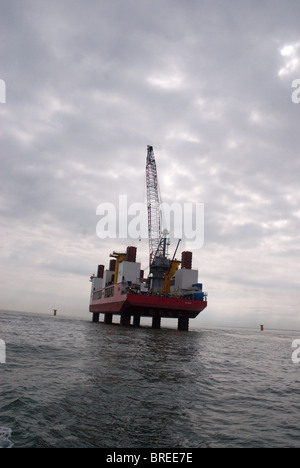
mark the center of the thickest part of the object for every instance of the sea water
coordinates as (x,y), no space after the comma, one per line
(74,383)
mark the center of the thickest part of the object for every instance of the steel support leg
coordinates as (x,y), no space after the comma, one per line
(156,322)
(96,317)
(108,319)
(136,320)
(125,320)
(183,324)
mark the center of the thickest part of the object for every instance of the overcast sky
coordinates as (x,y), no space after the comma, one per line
(89,84)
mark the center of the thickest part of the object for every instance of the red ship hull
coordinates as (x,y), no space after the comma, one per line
(146,305)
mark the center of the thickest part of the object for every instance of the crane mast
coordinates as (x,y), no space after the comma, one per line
(159,264)
(153,204)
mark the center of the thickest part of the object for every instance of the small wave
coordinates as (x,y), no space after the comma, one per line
(5,434)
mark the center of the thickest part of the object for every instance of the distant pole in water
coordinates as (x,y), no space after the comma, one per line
(261,328)
(54,312)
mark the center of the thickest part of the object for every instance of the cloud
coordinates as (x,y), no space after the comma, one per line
(208,84)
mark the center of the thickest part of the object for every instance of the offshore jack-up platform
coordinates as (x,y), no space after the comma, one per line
(169,291)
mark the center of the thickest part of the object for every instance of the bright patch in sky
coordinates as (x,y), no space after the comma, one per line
(287,50)
(292,61)
(166,81)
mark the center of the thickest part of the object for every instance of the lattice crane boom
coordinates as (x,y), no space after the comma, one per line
(153,204)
